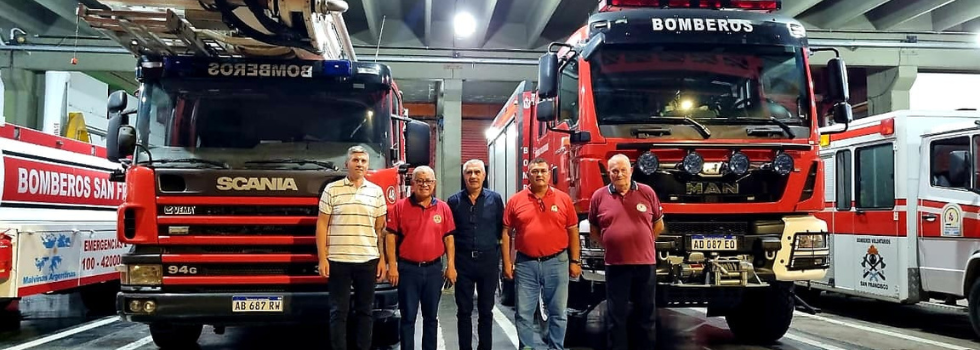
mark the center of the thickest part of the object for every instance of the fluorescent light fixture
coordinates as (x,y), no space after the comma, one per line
(464,24)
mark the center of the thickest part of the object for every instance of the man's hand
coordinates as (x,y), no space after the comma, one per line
(324,267)
(393,274)
(381,272)
(574,270)
(509,271)
(451,274)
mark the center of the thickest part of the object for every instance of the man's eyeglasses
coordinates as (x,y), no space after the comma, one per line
(424,182)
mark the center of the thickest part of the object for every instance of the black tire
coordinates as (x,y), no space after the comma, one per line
(386,333)
(764,316)
(100,299)
(974,306)
(175,336)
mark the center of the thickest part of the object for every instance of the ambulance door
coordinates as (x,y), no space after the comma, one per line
(840,217)
(874,260)
(948,211)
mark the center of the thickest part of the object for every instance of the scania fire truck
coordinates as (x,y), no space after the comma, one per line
(246,112)
(713,101)
(902,201)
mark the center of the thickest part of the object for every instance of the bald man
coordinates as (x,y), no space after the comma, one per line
(625,218)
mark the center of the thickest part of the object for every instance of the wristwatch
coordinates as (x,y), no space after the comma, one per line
(576,262)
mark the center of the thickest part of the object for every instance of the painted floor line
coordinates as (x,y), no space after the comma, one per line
(136,344)
(66,333)
(510,329)
(883,332)
(813,342)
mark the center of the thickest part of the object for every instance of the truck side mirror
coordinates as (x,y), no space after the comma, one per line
(843,113)
(548,75)
(417,143)
(837,89)
(120,139)
(117,102)
(545,111)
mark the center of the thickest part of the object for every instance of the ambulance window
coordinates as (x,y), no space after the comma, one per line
(939,170)
(843,176)
(876,177)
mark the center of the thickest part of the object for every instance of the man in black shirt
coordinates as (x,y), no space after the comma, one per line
(479,216)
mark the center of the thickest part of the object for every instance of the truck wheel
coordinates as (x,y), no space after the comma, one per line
(974,305)
(175,336)
(506,292)
(763,317)
(100,299)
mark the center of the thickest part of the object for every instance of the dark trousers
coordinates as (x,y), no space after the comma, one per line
(363,277)
(634,284)
(419,285)
(483,273)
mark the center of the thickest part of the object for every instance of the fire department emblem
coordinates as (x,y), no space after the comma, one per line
(554,208)
(437,219)
(874,265)
(641,207)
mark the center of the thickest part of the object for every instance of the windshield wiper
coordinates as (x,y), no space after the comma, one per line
(322,164)
(786,128)
(216,163)
(705,133)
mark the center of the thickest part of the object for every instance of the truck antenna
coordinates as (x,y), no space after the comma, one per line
(382,32)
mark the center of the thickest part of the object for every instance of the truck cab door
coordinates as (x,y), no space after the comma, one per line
(947,210)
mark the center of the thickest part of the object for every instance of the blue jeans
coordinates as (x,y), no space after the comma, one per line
(419,285)
(549,280)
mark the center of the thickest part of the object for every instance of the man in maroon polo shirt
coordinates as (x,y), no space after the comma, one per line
(545,225)
(420,230)
(625,218)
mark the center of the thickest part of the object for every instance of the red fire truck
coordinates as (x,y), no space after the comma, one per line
(235,136)
(713,101)
(902,201)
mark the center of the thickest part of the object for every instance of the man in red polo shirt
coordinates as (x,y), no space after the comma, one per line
(545,225)
(420,230)
(626,217)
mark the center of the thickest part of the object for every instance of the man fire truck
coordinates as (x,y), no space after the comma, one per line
(246,111)
(903,202)
(712,100)
(57,220)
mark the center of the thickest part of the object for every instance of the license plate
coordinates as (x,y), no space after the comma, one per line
(256,304)
(714,242)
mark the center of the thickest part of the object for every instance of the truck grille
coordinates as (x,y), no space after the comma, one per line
(238,230)
(247,288)
(291,269)
(684,228)
(239,210)
(250,249)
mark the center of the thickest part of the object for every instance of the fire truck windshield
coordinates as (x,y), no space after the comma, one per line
(721,88)
(251,122)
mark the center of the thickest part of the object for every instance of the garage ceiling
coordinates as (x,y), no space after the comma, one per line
(520,25)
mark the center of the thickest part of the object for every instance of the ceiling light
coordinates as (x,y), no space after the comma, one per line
(464,24)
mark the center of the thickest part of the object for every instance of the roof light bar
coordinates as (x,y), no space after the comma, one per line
(754,5)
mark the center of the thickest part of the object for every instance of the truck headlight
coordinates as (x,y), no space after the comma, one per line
(143,274)
(811,241)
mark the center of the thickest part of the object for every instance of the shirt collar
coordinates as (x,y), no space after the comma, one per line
(633,187)
(411,199)
(348,182)
(464,193)
(551,191)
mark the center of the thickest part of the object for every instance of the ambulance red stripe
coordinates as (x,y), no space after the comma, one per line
(69,283)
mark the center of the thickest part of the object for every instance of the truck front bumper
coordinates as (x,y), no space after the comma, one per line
(217,308)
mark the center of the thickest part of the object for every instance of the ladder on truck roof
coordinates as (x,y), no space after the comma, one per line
(285,29)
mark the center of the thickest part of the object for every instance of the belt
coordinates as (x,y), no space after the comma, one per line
(419,264)
(543,258)
(476,254)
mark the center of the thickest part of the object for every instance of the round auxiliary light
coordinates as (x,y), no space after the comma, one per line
(783,164)
(738,163)
(693,163)
(648,163)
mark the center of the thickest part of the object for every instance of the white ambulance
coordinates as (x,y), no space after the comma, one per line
(903,205)
(58,219)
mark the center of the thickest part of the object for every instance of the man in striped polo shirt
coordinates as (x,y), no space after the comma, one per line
(348,239)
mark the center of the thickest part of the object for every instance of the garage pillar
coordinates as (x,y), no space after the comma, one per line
(449,110)
(888,90)
(20,96)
